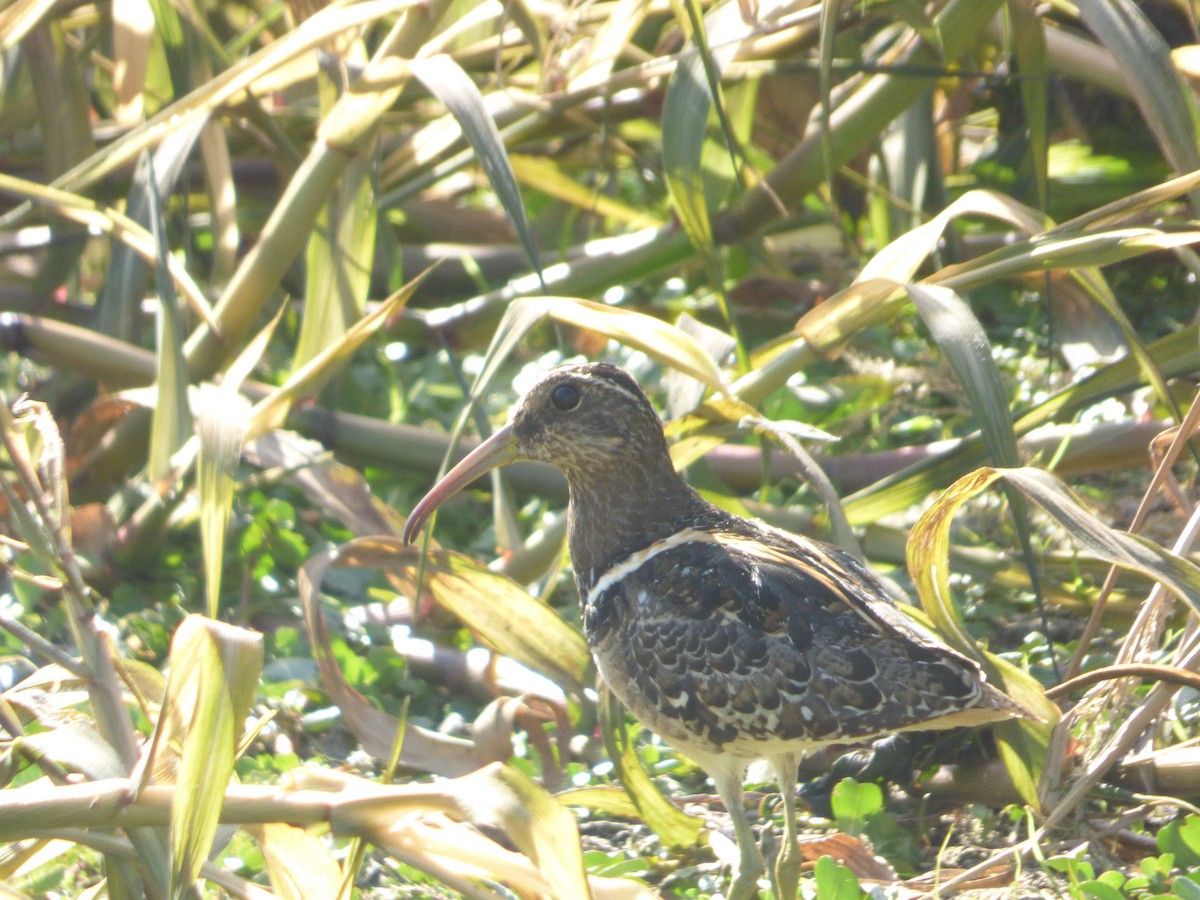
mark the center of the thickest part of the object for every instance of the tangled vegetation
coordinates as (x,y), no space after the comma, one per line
(918,279)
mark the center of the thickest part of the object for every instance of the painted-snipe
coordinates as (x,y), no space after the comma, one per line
(732,640)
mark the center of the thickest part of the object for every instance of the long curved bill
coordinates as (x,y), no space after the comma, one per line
(498,450)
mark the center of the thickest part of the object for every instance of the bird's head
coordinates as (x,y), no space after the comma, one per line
(587,420)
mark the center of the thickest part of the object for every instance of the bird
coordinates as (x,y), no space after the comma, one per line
(732,640)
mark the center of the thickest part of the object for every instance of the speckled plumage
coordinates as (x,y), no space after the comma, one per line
(738,639)
(730,639)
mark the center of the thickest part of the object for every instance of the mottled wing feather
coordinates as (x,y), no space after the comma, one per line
(726,642)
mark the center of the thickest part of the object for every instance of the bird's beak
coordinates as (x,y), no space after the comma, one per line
(498,450)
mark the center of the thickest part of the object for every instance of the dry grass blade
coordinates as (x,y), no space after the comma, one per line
(214,677)
(594,68)
(1127,209)
(493,796)
(341,248)
(1179,575)
(133,25)
(225,88)
(110,222)
(928,550)
(674,827)
(300,864)
(501,612)
(222,199)
(1023,744)
(19,18)
(1055,250)
(221,421)
(900,260)
(375,729)
(543,829)
(665,343)
(272,410)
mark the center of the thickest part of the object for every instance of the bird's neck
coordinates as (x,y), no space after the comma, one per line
(620,511)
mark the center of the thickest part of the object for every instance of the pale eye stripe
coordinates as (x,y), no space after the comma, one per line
(611,385)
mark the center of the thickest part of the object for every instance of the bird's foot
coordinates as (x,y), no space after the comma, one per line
(783,864)
(744,885)
(786,882)
(744,882)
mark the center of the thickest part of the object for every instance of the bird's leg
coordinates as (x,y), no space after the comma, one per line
(749,867)
(787,864)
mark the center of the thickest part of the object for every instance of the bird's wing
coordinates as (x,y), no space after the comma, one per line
(746,642)
(815,571)
(804,570)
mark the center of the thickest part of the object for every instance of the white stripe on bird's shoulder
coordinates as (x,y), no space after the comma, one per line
(816,564)
(634,561)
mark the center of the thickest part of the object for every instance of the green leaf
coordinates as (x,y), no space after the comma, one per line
(684,126)
(827,38)
(54,64)
(1100,890)
(1029,47)
(1166,102)
(1182,838)
(835,881)
(172,421)
(853,804)
(965,345)
(1175,354)
(446,80)
(1182,886)
(125,281)
(549,178)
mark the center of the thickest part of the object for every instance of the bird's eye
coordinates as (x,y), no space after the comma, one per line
(565,397)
